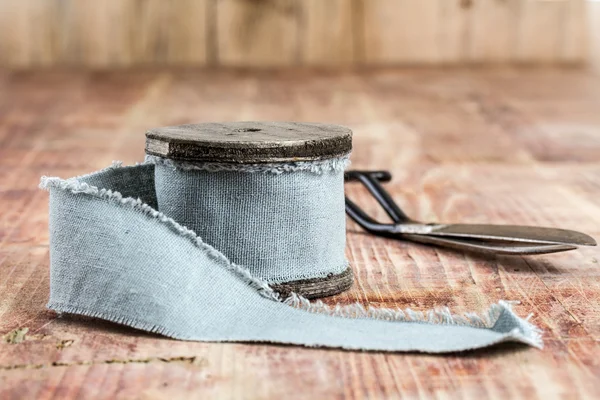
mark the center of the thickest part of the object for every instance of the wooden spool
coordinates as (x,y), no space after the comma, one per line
(259,143)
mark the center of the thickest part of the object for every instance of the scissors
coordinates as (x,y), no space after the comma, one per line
(497,239)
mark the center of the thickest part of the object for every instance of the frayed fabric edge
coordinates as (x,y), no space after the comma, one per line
(533,339)
(524,331)
(134,323)
(319,167)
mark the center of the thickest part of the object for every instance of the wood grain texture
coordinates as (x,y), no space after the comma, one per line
(540,29)
(266,33)
(490,146)
(29,33)
(593,21)
(401,31)
(576,32)
(258,33)
(96,34)
(328,32)
(169,32)
(493,16)
(248,142)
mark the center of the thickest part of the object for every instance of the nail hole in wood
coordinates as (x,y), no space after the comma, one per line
(249,130)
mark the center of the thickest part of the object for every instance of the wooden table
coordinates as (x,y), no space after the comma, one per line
(479,146)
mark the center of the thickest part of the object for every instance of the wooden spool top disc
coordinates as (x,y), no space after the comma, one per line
(249,142)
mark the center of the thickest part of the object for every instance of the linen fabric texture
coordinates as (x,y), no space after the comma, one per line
(189,253)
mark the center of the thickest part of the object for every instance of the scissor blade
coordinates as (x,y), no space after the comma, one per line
(514,233)
(508,248)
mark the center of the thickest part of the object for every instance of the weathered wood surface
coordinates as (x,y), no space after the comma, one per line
(113,33)
(497,146)
(248,142)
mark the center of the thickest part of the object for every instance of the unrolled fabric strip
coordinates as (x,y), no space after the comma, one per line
(120,251)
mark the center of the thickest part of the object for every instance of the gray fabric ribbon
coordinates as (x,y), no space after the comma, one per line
(189,250)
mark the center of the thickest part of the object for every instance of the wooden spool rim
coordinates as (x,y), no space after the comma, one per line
(248,142)
(317,287)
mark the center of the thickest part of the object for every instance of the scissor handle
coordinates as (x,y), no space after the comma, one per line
(371,180)
(381,176)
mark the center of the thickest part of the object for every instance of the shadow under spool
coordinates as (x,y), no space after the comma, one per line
(252,143)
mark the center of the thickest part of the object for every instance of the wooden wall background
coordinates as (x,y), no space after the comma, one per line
(593,11)
(116,33)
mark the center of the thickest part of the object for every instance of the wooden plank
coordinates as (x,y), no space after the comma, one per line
(29,33)
(540,30)
(169,33)
(150,26)
(256,33)
(493,34)
(328,32)
(551,128)
(95,33)
(108,33)
(593,21)
(401,31)
(500,145)
(574,45)
(289,32)
(188,33)
(116,32)
(454,30)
